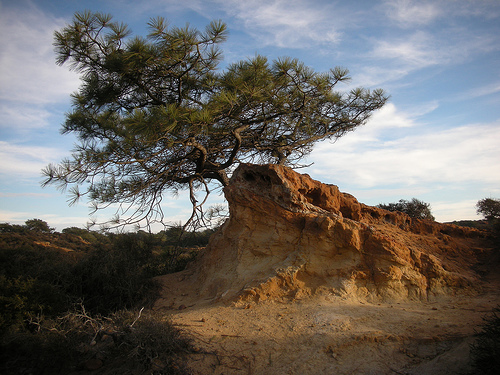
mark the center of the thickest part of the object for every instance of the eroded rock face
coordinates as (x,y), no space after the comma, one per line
(289,236)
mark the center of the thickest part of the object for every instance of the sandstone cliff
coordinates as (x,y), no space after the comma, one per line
(289,236)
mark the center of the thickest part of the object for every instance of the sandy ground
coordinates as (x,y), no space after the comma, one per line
(333,335)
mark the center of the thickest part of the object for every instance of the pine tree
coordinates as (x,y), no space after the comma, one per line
(156,114)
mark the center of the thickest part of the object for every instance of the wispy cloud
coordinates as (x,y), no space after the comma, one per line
(422,156)
(26,160)
(14,217)
(409,13)
(30,195)
(384,123)
(417,13)
(291,24)
(442,165)
(22,117)
(417,51)
(29,73)
(432,35)
(450,211)
(489,89)
(391,59)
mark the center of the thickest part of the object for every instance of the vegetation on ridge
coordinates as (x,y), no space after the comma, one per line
(414,208)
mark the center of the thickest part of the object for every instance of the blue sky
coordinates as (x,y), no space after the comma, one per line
(438,139)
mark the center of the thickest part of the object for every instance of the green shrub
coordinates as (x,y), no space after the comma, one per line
(150,342)
(45,352)
(489,208)
(38,225)
(126,342)
(107,280)
(485,352)
(23,297)
(43,275)
(477,224)
(414,208)
(169,259)
(12,228)
(46,273)
(177,237)
(32,281)
(92,237)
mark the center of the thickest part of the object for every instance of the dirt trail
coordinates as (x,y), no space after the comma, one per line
(331,335)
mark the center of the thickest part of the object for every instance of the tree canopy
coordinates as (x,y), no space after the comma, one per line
(38,225)
(414,208)
(489,208)
(156,114)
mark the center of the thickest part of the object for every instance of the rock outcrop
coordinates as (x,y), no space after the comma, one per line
(289,236)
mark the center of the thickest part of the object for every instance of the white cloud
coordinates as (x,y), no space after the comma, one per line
(382,162)
(418,13)
(417,51)
(19,116)
(28,71)
(463,210)
(485,9)
(14,217)
(54,220)
(435,36)
(423,156)
(408,13)
(389,117)
(26,161)
(291,24)
(384,123)
(392,59)
(489,89)
(30,195)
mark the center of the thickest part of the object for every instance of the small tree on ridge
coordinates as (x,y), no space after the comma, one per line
(38,225)
(414,208)
(489,208)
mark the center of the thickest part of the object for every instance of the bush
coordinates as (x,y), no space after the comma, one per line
(92,237)
(150,341)
(169,259)
(43,275)
(23,297)
(476,224)
(107,280)
(113,273)
(38,225)
(489,208)
(12,228)
(176,236)
(33,280)
(119,275)
(124,343)
(485,352)
(414,208)
(46,273)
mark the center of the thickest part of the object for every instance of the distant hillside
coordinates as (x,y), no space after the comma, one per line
(478,224)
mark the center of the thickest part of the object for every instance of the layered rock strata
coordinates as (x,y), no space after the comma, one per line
(289,236)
